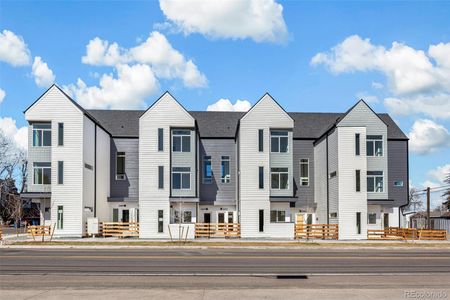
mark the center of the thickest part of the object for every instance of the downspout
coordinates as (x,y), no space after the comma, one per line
(328,185)
(400,210)
(95,172)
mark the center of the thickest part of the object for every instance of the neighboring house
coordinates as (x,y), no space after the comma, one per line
(438,220)
(263,169)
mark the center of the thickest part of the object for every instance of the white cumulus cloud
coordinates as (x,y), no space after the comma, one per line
(226,105)
(2,95)
(440,173)
(13,49)
(427,137)
(259,20)
(419,80)
(43,75)
(156,52)
(18,135)
(127,91)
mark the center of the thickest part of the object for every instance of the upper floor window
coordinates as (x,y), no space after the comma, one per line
(181,178)
(160,177)
(42,173)
(42,134)
(358,180)
(181,141)
(60,172)
(304,172)
(260,140)
(375,181)
(120,166)
(279,141)
(207,170)
(225,169)
(279,178)
(160,139)
(374,145)
(261,177)
(357,143)
(60,134)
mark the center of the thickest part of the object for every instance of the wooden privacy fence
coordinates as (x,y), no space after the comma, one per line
(227,230)
(120,229)
(395,233)
(316,231)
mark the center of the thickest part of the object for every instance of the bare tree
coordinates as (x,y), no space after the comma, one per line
(415,202)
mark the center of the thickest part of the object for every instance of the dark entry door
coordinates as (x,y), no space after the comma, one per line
(125,216)
(386,220)
(207,217)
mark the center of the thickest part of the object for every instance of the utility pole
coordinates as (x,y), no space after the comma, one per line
(428,209)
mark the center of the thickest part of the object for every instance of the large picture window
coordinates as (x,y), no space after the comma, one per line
(279,178)
(42,134)
(207,169)
(181,178)
(225,169)
(181,141)
(304,172)
(374,145)
(42,173)
(279,141)
(375,182)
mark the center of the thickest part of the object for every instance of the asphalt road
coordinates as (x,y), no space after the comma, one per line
(222,261)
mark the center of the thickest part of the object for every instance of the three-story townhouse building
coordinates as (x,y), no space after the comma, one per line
(264,169)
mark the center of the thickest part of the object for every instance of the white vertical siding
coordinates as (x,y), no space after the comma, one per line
(265,114)
(165,113)
(56,107)
(351,201)
(103,174)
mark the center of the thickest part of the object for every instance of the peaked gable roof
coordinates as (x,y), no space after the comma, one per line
(161,98)
(260,100)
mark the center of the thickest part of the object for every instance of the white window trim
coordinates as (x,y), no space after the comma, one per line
(124,175)
(181,137)
(227,178)
(375,182)
(279,180)
(42,136)
(42,168)
(181,180)
(373,146)
(278,137)
(300,173)
(368,218)
(286,214)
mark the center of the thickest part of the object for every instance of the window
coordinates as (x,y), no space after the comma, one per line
(277,216)
(357,144)
(260,140)
(333,174)
(160,139)
(279,141)
(375,181)
(333,215)
(374,145)
(42,173)
(358,223)
(187,216)
(261,220)
(304,172)
(115,215)
(42,134)
(279,178)
(358,180)
(60,217)
(120,166)
(60,134)
(181,141)
(398,183)
(160,177)
(207,170)
(160,221)
(60,172)
(225,169)
(181,178)
(371,218)
(261,177)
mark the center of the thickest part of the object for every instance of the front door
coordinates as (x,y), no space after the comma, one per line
(230,217)
(386,220)
(220,218)
(125,216)
(207,217)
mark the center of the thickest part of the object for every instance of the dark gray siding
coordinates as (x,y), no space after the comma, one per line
(218,191)
(398,170)
(304,149)
(127,188)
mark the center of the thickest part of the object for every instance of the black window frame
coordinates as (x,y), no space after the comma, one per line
(261,177)
(60,172)
(122,175)
(261,140)
(160,177)
(357,144)
(160,139)
(358,180)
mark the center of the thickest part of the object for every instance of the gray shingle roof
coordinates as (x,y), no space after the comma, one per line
(125,123)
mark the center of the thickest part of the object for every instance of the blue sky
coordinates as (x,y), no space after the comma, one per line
(274,53)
